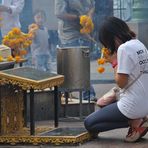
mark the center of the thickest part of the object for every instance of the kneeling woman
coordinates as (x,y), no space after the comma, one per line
(128,57)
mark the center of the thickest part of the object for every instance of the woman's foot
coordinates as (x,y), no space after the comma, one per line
(93,135)
(136,133)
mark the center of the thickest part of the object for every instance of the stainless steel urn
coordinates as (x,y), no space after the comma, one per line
(74,64)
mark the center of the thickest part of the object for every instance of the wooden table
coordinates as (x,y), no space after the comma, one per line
(32,79)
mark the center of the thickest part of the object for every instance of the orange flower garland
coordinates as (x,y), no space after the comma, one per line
(104,53)
(101,61)
(17,40)
(101,69)
(23,52)
(17,58)
(10,58)
(87,24)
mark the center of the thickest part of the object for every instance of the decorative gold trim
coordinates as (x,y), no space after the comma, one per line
(11,109)
(35,140)
(26,84)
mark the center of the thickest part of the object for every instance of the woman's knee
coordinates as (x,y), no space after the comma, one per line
(87,124)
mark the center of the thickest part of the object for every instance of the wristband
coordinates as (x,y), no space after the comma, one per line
(114,63)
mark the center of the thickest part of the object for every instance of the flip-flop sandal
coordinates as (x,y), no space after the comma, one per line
(145,125)
(136,133)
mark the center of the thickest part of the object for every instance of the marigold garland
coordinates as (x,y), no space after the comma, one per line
(17,58)
(10,58)
(105,52)
(17,40)
(87,24)
(101,61)
(101,69)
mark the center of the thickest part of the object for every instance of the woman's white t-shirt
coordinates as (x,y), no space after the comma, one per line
(133,59)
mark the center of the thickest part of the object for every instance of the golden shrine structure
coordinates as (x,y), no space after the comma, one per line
(14,85)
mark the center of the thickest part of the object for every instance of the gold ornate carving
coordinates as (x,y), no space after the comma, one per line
(28,84)
(35,140)
(11,109)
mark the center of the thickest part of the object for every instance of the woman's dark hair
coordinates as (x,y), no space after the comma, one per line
(113,28)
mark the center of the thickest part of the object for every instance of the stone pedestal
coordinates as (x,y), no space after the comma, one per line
(141,29)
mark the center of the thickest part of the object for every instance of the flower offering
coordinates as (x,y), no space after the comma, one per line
(17,41)
(87,24)
(101,61)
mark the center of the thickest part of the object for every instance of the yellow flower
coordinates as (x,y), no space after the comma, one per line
(17,58)
(101,69)
(1,59)
(105,52)
(83,19)
(11,35)
(23,52)
(5,41)
(101,61)
(87,24)
(16,31)
(10,58)
(13,44)
(15,39)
